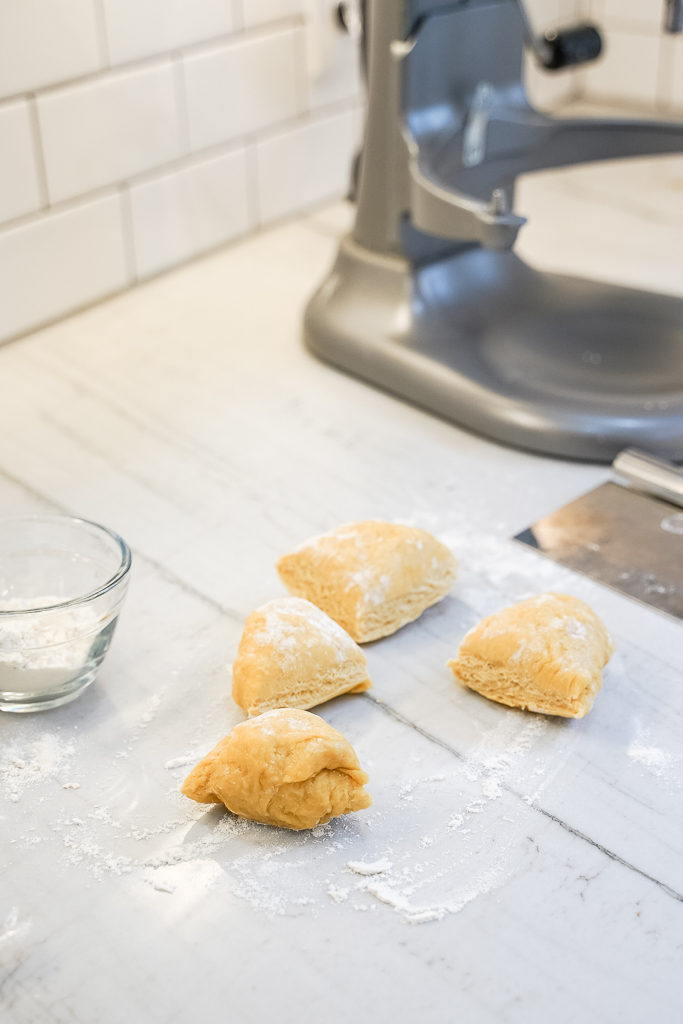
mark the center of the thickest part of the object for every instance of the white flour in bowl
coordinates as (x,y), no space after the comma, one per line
(41,652)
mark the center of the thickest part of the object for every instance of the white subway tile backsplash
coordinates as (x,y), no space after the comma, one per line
(188,211)
(19,192)
(59,262)
(547,89)
(138,28)
(640,14)
(544,13)
(571,10)
(628,71)
(46,41)
(339,78)
(210,72)
(674,97)
(105,130)
(259,12)
(305,165)
(242,87)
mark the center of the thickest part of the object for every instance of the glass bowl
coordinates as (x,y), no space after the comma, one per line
(62,584)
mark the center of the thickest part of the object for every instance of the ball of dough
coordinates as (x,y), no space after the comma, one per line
(545,654)
(370,577)
(286,767)
(293,655)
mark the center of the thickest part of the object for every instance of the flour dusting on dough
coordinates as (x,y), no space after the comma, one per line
(290,624)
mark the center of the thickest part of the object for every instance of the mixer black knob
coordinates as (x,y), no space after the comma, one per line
(571,46)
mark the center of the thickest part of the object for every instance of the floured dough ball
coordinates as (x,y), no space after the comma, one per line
(293,655)
(545,654)
(371,577)
(286,767)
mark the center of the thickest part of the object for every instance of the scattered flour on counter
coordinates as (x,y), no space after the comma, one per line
(360,867)
(651,757)
(13,927)
(338,895)
(441,872)
(406,792)
(662,764)
(425,877)
(491,788)
(161,886)
(182,762)
(227,826)
(151,710)
(98,860)
(505,744)
(322,830)
(385,894)
(421,861)
(23,766)
(144,834)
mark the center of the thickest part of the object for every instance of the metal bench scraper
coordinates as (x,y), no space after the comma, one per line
(628,537)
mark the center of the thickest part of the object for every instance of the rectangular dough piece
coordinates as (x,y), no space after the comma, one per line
(545,654)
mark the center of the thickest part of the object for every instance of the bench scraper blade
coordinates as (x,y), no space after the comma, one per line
(622,538)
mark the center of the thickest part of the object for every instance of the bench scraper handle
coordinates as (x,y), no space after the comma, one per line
(651,475)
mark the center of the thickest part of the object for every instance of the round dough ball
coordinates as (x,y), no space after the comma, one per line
(285,767)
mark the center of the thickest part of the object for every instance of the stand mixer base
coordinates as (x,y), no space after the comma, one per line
(548,363)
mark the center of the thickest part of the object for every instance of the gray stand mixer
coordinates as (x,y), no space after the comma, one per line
(427,297)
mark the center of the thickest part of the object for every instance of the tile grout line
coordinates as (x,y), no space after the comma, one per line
(238,15)
(393,713)
(102,35)
(251,159)
(61,206)
(187,159)
(664,91)
(217,42)
(311,222)
(39,160)
(289,220)
(58,318)
(180,96)
(126,211)
(301,76)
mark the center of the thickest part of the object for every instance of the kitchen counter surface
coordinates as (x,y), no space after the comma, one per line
(535,865)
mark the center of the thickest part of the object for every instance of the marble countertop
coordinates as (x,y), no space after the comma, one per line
(536,865)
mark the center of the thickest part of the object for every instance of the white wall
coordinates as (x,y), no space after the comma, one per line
(642,66)
(136,134)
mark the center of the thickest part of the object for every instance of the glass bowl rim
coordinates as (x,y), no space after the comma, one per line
(91,595)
